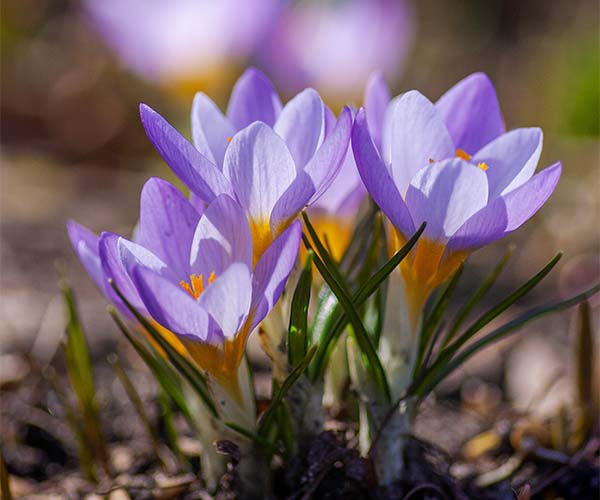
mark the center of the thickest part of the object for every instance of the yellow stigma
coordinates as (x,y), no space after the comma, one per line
(482,165)
(461,153)
(229,139)
(196,285)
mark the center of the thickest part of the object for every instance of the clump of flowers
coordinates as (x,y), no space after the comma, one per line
(201,274)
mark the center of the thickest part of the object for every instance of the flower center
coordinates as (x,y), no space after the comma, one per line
(196,285)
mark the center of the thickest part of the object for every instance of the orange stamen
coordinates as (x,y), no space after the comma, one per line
(229,139)
(483,166)
(196,285)
(461,153)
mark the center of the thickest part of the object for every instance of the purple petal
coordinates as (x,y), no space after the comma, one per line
(253,99)
(377,178)
(170,305)
(222,237)
(261,168)
(472,113)
(418,136)
(506,213)
(318,174)
(301,124)
(85,244)
(272,271)
(445,194)
(227,299)
(211,130)
(167,224)
(511,159)
(195,170)
(377,97)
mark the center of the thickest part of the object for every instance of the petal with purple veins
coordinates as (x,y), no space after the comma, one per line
(511,159)
(377,178)
(167,224)
(419,137)
(253,99)
(227,300)
(272,272)
(301,124)
(221,237)
(472,113)
(445,194)
(195,170)
(377,97)
(211,130)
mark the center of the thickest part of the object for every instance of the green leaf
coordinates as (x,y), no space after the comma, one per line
(269,414)
(432,320)
(479,293)
(338,320)
(435,377)
(298,329)
(185,366)
(166,377)
(252,436)
(79,369)
(359,332)
(495,311)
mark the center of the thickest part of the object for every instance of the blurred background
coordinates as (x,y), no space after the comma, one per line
(73,73)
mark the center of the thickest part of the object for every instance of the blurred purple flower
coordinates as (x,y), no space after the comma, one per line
(273,160)
(192,274)
(179,40)
(450,164)
(335,45)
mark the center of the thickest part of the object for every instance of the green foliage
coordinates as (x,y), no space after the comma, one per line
(298,340)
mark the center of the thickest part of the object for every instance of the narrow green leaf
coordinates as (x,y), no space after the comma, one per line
(464,311)
(435,377)
(495,311)
(432,320)
(252,436)
(186,367)
(79,369)
(164,374)
(298,329)
(362,337)
(337,318)
(269,414)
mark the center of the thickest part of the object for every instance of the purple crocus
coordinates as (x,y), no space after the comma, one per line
(273,160)
(192,274)
(453,165)
(335,45)
(178,42)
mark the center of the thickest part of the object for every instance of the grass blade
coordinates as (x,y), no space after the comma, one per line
(186,367)
(298,329)
(463,313)
(339,320)
(270,413)
(434,378)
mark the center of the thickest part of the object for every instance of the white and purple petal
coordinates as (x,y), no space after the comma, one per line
(511,159)
(301,124)
(376,100)
(272,271)
(445,194)
(211,130)
(253,98)
(221,238)
(260,168)
(472,113)
(167,224)
(195,170)
(85,244)
(377,178)
(227,299)
(419,136)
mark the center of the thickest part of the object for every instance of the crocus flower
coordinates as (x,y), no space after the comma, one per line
(452,165)
(272,160)
(180,42)
(192,275)
(335,45)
